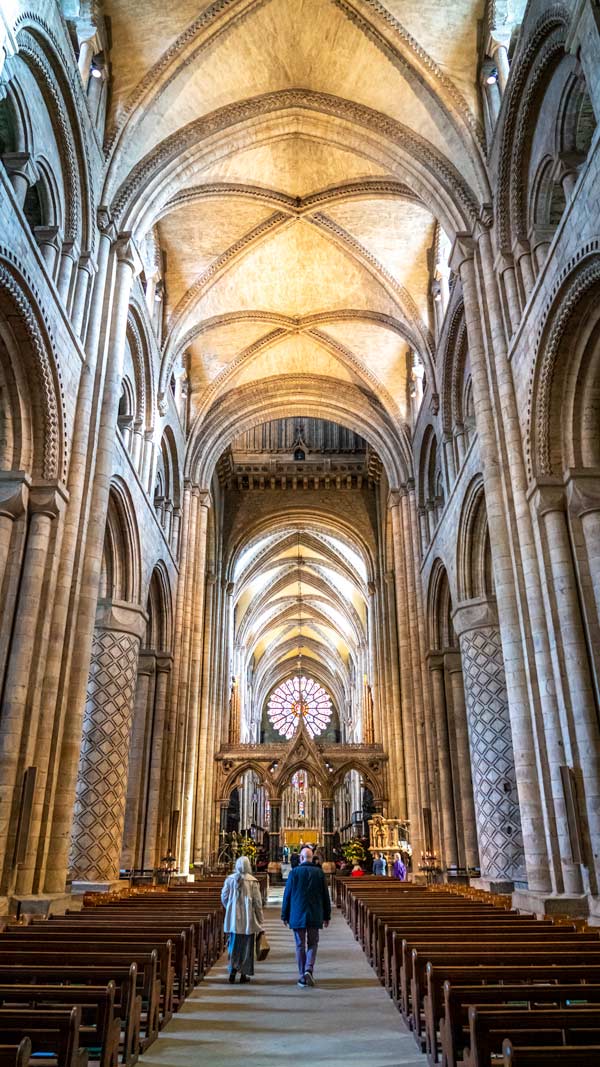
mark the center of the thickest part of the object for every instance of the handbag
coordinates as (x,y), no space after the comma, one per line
(262,946)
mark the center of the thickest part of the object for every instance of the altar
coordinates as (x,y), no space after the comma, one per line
(296,837)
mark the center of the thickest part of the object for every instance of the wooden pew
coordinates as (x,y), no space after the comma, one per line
(517,973)
(385,960)
(457,1000)
(43,940)
(183,939)
(49,1032)
(147,963)
(100,1014)
(473,941)
(543,954)
(16,1055)
(559,1055)
(488,1028)
(137,992)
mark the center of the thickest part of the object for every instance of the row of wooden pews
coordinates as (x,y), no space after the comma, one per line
(478,983)
(95,986)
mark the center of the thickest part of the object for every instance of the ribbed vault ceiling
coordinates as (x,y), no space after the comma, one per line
(292,159)
(300,593)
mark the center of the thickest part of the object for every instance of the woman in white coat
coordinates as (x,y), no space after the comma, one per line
(241,899)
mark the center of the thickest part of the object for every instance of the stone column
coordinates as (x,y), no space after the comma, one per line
(87,50)
(83,281)
(396,768)
(84,623)
(413,788)
(548,754)
(274,830)
(204,828)
(522,693)
(412,538)
(156,773)
(448,821)
(18,710)
(48,239)
(464,799)
(69,253)
(196,609)
(63,628)
(139,750)
(490,740)
(581,735)
(584,505)
(328,829)
(498,49)
(22,173)
(14,493)
(101,791)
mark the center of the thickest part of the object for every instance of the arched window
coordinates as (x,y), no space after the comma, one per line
(299,699)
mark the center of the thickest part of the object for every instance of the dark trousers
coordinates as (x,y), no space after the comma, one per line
(307,942)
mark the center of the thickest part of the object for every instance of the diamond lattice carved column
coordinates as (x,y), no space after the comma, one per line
(102,778)
(490,740)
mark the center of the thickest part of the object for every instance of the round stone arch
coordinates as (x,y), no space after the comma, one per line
(536,58)
(41,51)
(159,628)
(303,763)
(232,776)
(35,412)
(375,783)
(475,576)
(566,371)
(282,396)
(121,558)
(439,609)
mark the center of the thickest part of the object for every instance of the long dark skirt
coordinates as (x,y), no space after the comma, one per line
(241,953)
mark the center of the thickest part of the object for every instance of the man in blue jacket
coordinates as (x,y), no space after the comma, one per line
(306,909)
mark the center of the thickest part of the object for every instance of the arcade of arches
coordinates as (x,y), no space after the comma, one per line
(300,435)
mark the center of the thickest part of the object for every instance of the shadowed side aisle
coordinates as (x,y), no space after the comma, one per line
(348,1018)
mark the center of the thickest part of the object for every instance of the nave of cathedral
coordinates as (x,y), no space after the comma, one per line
(299,443)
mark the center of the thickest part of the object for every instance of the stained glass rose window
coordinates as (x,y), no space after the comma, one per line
(299,698)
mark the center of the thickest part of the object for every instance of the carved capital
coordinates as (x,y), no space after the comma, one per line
(453,662)
(547,498)
(14,493)
(86,263)
(106,224)
(478,614)
(164,662)
(146,663)
(48,236)
(463,249)
(21,164)
(435,660)
(583,494)
(48,499)
(127,252)
(122,617)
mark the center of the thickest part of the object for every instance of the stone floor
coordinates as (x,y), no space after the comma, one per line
(347,1019)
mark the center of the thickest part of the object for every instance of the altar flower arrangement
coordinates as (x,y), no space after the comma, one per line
(405,848)
(249,848)
(353,851)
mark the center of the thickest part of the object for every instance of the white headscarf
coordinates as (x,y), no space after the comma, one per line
(242,867)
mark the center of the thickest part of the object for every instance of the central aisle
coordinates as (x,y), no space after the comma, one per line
(346,1019)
